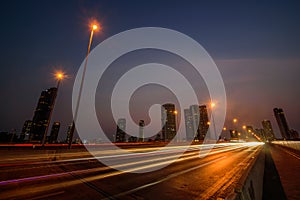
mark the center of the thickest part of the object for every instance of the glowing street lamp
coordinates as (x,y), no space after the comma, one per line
(244,127)
(177,124)
(59,76)
(212,106)
(235,120)
(94,27)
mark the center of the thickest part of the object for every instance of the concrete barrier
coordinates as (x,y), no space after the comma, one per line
(290,144)
(250,185)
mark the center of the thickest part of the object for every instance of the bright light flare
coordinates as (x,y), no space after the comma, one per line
(59,75)
(94,27)
(235,120)
(212,104)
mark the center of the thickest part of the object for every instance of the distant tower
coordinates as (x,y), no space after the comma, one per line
(121,130)
(195,113)
(26,130)
(196,121)
(54,132)
(188,125)
(42,114)
(141,130)
(294,134)
(268,130)
(282,123)
(69,131)
(203,126)
(168,117)
(233,134)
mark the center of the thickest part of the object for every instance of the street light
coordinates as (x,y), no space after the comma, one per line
(93,28)
(234,120)
(177,125)
(59,76)
(212,105)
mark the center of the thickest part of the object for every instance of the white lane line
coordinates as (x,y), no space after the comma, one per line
(165,179)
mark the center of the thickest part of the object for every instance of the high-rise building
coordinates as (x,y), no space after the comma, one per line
(195,113)
(42,114)
(260,134)
(141,130)
(294,134)
(282,123)
(189,125)
(233,134)
(121,130)
(69,131)
(54,132)
(26,130)
(168,117)
(203,126)
(196,122)
(268,130)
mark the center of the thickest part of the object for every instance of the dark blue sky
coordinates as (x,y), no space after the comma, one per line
(256,46)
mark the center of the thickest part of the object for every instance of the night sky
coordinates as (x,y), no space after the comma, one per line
(256,46)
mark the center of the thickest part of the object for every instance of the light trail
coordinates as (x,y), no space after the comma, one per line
(134,168)
(167,160)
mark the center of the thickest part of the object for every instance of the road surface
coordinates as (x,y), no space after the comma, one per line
(80,176)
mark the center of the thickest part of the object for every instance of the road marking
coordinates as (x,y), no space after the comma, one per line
(164,179)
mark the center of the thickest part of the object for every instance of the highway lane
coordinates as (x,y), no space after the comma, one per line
(85,178)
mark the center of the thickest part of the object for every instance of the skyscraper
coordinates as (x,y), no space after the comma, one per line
(282,123)
(69,131)
(121,130)
(168,117)
(26,130)
(42,114)
(141,130)
(268,130)
(196,122)
(203,126)
(188,125)
(54,132)
(195,113)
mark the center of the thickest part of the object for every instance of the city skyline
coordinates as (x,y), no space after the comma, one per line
(259,71)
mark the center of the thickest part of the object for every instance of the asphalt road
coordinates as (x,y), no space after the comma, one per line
(79,176)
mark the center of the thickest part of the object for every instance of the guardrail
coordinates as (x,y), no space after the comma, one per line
(289,144)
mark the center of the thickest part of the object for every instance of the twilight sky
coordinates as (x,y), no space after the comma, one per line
(256,46)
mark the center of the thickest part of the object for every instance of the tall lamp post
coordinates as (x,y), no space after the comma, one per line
(177,125)
(212,105)
(94,27)
(59,76)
